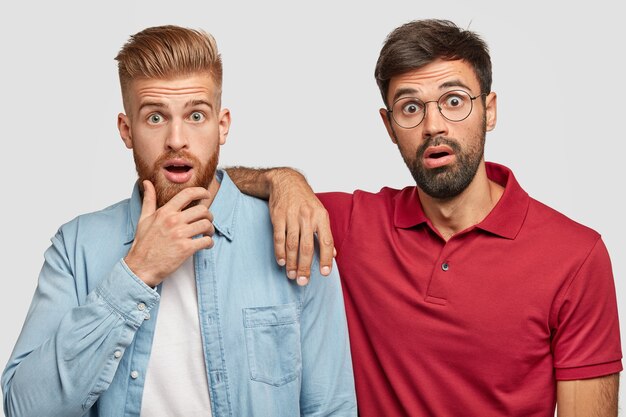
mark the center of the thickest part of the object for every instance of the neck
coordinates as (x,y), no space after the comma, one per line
(451,216)
(213,188)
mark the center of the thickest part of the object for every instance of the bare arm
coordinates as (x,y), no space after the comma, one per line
(296,213)
(595,397)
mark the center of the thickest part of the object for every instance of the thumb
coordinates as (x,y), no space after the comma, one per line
(149,200)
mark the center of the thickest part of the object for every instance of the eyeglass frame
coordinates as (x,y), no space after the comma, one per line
(390,111)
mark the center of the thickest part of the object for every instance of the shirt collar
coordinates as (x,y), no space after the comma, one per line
(224,207)
(504,220)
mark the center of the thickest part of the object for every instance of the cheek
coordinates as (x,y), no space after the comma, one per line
(408,140)
(205,137)
(147,144)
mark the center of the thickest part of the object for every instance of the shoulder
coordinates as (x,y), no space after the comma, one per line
(105,222)
(341,201)
(553,223)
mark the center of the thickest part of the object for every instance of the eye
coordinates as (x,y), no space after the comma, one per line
(454,99)
(155,118)
(197,116)
(411,107)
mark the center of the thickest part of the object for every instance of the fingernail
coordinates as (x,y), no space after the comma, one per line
(291,274)
(302,280)
(325,270)
(281,262)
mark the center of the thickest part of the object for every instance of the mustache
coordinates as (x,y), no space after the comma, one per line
(436,141)
(182,154)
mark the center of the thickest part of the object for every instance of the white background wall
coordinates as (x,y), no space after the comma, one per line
(299,83)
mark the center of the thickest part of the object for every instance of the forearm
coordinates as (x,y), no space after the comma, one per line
(259,182)
(595,397)
(64,360)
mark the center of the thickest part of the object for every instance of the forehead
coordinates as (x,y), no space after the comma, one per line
(435,77)
(172,89)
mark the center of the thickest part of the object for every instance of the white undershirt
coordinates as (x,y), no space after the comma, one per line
(176,382)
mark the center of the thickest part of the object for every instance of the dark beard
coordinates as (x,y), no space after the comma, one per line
(165,190)
(448,181)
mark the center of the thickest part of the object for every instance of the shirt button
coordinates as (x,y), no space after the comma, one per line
(134,374)
(147,316)
(445,266)
(141,306)
(117,354)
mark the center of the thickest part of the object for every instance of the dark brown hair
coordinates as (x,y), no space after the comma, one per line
(420,42)
(168,51)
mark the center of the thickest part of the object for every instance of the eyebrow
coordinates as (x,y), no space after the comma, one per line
(454,83)
(194,103)
(403,92)
(412,91)
(158,104)
(150,104)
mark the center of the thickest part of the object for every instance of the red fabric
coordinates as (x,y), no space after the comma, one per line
(527,298)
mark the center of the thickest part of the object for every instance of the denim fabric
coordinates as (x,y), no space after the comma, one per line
(271,348)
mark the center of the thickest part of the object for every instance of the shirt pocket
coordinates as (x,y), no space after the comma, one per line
(273,343)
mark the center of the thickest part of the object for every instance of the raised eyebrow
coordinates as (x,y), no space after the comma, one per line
(403,92)
(194,103)
(152,104)
(454,83)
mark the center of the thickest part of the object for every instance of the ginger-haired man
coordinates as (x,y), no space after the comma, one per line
(139,311)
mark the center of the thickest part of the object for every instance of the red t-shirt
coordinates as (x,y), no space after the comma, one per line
(480,325)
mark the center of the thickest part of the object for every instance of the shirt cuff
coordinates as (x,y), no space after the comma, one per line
(588,372)
(128,295)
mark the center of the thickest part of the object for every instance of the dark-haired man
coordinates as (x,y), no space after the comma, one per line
(464,295)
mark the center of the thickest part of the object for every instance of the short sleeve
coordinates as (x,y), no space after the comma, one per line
(586,340)
(339,207)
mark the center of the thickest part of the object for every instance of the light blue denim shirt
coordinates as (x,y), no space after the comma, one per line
(271,348)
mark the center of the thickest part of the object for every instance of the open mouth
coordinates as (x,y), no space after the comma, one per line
(438,156)
(437,152)
(177,168)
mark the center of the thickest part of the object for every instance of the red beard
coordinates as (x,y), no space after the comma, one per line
(165,189)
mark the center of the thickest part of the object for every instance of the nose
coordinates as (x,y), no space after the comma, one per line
(434,124)
(176,137)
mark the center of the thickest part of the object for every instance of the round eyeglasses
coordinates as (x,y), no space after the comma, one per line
(455,105)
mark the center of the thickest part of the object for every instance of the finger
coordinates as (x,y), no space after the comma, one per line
(192,214)
(279,241)
(327,247)
(305,254)
(291,246)
(148,207)
(200,227)
(185,197)
(204,242)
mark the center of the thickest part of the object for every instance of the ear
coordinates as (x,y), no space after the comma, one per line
(223,125)
(386,116)
(123,125)
(491,111)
